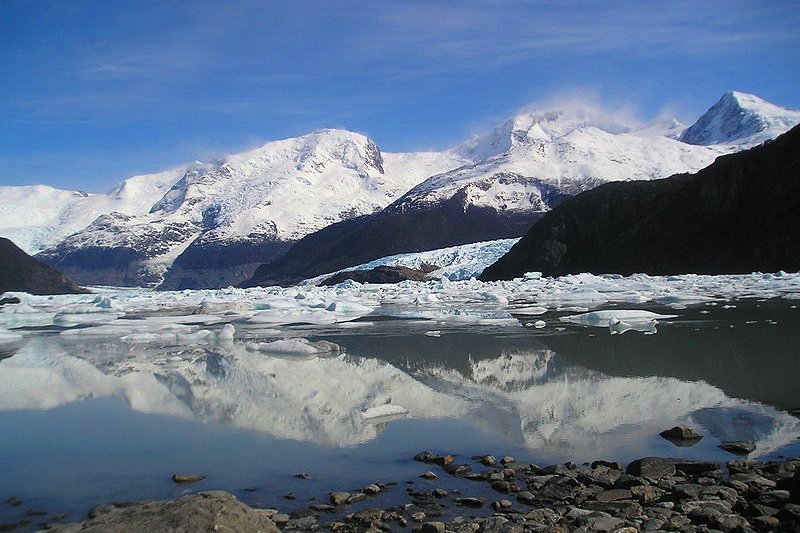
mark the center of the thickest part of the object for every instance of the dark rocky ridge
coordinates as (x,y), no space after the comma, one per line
(390,232)
(21,272)
(381,274)
(740,214)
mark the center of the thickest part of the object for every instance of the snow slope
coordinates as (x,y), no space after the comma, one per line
(526,160)
(274,194)
(455,262)
(38,216)
(742,120)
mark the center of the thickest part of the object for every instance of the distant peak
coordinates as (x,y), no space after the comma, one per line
(740,118)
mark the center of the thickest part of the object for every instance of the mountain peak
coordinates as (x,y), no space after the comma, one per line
(540,126)
(742,119)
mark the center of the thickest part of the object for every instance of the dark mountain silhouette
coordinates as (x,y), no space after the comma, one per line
(21,272)
(740,214)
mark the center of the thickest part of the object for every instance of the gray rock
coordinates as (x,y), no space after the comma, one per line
(187,478)
(206,511)
(371,489)
(653,468)
(339,498)
(471,502)
(432,527)
(682,434)
(614,495)
(526,497)
(739,447)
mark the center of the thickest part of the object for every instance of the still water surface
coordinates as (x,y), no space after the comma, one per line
(84,422)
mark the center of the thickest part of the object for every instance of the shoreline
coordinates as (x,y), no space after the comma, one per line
(498,494)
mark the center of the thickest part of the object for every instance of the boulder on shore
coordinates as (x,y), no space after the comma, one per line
(206,511)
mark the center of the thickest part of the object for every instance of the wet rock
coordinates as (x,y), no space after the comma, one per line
(339,498)
(526,497)
(507,460)
(187,478)
(739,447)
(475,503)
(681,435)
(501,486)
(607,464)
(488,460)
(653,468)
(426,457)
(371,490)
(302,475)
(432,527)
(440,493)
(356,498)
(501,505)
(13,501)
(418,517)
(289,496)
(457,469)
(428,475)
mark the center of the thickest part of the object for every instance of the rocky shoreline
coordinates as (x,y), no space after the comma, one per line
(649,494)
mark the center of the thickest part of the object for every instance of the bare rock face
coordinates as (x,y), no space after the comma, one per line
(197,513)
(21,272)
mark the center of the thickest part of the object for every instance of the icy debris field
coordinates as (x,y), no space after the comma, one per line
(140,315)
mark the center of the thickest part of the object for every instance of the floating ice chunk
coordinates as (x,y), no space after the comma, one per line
(67,320)
(539,324)
(385,410)
(226,333)
(572,308)
(680,301)
(433,333)
(532,275)
(104,302)
(617,327)
(9,336)
(297,347)
(426,298)
(533,310)
(349,308)
(607,318)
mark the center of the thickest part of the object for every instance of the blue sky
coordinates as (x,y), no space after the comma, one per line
(92,91)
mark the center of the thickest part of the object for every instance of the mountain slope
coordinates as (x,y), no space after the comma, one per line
(219,221)
(740,118)
(525,167)
(38,216)
(741,214)
(20,272)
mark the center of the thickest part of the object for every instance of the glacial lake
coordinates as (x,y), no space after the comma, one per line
(92,419)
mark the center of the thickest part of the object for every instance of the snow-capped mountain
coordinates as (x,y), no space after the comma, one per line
(213,224)
(219,221)
(523,169)
(741,119)
(36,217)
